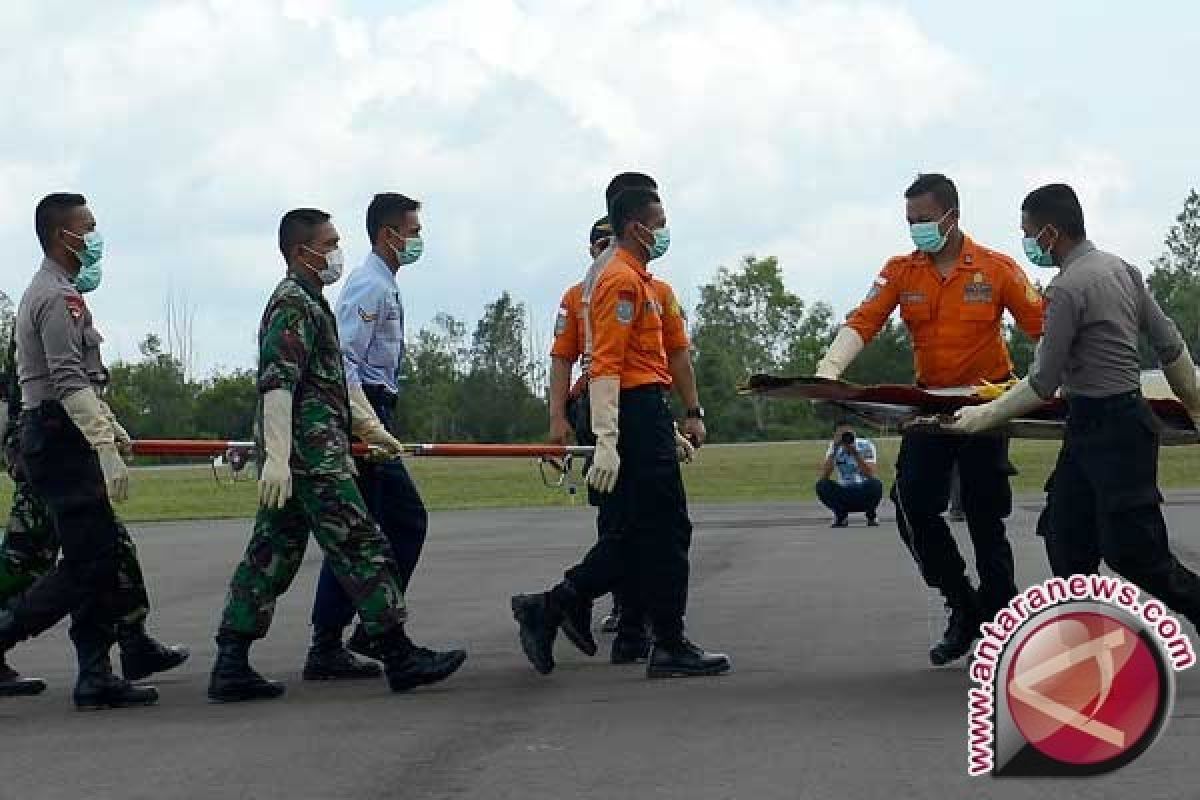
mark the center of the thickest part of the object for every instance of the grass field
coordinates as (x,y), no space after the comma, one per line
(722,473)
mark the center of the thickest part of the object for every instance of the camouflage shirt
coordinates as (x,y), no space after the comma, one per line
(298,351)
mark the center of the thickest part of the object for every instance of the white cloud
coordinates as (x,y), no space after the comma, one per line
(774,127)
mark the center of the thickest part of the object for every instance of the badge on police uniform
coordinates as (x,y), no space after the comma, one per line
(75,306)
(367,316)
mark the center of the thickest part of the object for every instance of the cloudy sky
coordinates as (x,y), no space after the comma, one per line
(775,127)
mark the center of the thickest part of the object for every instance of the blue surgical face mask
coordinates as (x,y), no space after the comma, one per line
(414,246)
(662,242)
(90,270)
(928,236)
(1037,255)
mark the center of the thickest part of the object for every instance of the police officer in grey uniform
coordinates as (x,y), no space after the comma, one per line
(1103,502)
(69,453)
(370,319)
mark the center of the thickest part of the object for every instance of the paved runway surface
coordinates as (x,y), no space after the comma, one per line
(831,697)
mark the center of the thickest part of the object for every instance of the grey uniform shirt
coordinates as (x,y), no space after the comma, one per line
(58,349)
(1095,308)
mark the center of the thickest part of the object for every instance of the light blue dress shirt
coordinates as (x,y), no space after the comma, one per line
(370,320)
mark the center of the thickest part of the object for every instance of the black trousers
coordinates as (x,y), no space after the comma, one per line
(645,532)
(396,506)
(64,473)
(922,494)
(856,497)
(1104,502)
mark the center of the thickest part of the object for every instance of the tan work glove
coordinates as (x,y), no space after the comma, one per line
(606,464)
(120,436)
(275,480)
(366,425)
(1181,377)
(685,451)
(845,348)
(1018,400)
(87,412)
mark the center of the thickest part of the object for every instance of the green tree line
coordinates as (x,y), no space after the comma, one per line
(489,384)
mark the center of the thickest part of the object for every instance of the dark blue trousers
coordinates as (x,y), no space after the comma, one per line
(395,504)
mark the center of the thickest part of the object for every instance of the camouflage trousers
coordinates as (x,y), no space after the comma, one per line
(30,550)
(332,509)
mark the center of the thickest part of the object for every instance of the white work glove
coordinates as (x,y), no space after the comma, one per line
(1181,377)
(275,479)
(845,347)
(366,425)
(87,412)
(1018,400)
(685,451)
(120,436)
(605,403)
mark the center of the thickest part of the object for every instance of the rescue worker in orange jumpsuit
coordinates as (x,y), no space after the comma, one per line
(568,405)
(952,293)
(636,464)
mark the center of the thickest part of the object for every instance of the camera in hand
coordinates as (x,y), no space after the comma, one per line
(848,438)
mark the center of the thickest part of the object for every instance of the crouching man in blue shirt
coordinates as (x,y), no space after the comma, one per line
(854,486)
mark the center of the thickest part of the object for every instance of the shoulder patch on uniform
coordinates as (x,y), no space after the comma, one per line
(75,305)
(366,316)
(872,293)
(625,308)
(560,321)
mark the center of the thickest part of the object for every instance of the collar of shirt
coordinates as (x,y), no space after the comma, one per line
(312,292)
(56,269)
(1079,251)
(967,256)
(379,265)
(633,261)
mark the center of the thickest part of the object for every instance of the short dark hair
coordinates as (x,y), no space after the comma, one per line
(1056,204)
(627,205)
(935,183)
(385,207)
(51,213)
(627,180)
(297,226)
(601,229)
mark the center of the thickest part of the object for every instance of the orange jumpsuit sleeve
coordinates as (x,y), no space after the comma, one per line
(1023,301)
(615,303)
(566,328)
(675,335)
(881,300)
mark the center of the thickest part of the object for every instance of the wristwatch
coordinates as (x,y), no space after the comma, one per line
(695,413)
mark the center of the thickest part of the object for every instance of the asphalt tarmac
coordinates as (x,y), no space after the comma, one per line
(831,695)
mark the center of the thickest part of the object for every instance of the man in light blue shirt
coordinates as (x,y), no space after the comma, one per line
(370,320)
(848,481)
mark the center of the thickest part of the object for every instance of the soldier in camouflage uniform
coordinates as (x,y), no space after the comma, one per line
(30,549)
(306,482)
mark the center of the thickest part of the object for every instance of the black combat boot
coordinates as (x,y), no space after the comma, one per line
(408,666)
(538,622)
(962,629)
(630,649)
(11,682)
(97,686)
(142,655)
(575,617)
(328,660)
(364,644)
(682,659)
(233,679)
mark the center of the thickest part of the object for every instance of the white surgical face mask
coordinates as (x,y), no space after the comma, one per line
(335,260)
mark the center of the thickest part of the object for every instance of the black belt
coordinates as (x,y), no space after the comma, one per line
(1096,406)
(378,393)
